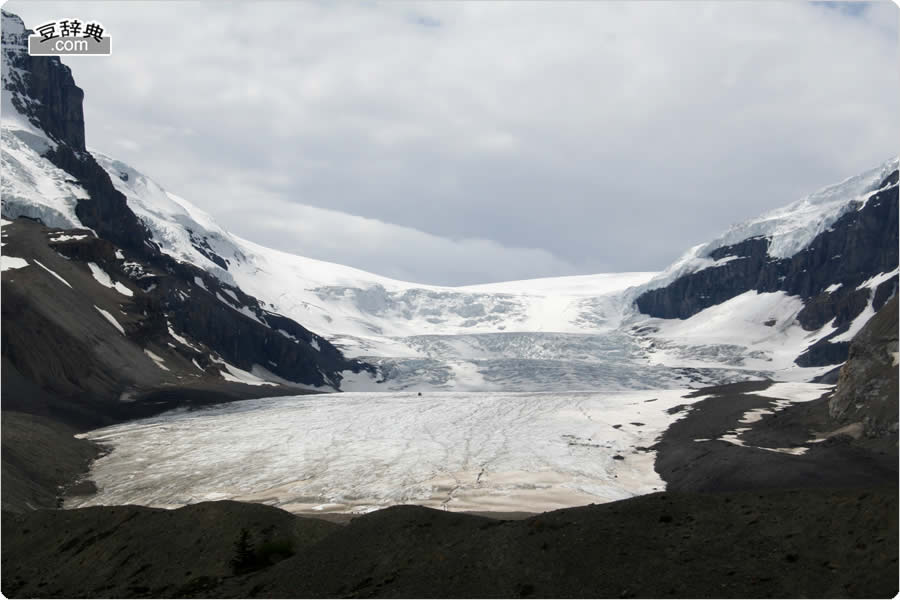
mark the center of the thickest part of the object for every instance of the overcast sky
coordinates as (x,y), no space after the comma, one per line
(456,143)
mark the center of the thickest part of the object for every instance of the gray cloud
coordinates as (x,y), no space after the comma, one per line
(550,138)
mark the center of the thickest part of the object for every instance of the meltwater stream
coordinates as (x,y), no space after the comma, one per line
(356,452)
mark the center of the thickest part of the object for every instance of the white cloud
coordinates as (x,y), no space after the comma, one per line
(402,252)
(609,135)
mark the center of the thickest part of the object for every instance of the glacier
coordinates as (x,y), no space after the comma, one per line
(358,452)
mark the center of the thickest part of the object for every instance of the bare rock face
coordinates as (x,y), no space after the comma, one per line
(867,387)
(42,88)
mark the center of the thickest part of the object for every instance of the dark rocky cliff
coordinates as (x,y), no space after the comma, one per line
(43,88)
(859,245)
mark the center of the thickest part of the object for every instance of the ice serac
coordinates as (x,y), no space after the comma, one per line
(836,250)
(176,323)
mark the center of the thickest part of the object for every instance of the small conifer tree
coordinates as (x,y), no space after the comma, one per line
(243,553)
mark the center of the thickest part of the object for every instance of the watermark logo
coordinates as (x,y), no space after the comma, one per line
(67,37)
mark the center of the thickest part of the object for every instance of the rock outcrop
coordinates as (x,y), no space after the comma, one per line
(867,388)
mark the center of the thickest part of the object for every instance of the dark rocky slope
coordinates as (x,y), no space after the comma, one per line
(70,369)
(42,89)
(692,458)
(859,245)
(779,544)
(41,458)
(55,336)
(848,437)
(130,551)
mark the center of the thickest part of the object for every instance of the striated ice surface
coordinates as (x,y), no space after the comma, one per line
(362,451)
(356,452)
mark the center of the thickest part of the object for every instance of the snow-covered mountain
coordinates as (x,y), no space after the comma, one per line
(543,333)
(582,332)
(341,301)
(827,263)
(777,296)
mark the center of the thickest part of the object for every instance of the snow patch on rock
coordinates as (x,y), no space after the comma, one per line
(52,272)
(105,280)
(12,262)
(111,319)
(157,360)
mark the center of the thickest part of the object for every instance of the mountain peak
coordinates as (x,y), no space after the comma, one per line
(788,229)
(40,88)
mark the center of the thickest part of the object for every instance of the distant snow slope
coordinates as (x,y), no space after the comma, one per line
(343,302)
(753,330)
(536,334)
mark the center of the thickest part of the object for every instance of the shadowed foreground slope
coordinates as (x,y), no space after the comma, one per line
(791,543)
